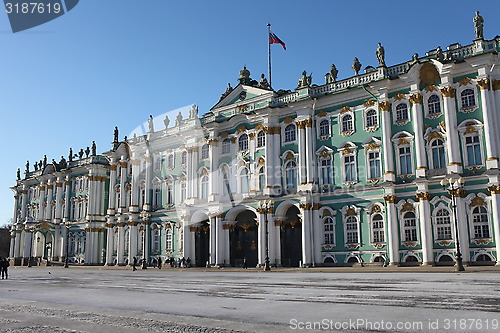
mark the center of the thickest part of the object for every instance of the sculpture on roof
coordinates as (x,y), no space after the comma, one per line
(380,53)
(151,124)
(70,156)
(439,54)
(27,166)
(331,76)
(36,166)
(229,89)
(94,149)
(479,26)
(44,160)
(263,82)
(62,163)
(81,153)
(178,120)
(18,174)
(166,121)
(305,81)
(356,66)
(115,138)
(414,59)
(87,152)
(193,112)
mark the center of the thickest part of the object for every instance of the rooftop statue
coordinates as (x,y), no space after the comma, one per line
(178,120)
(244,76)
(44,160)
(151,124)
(115,139)
(414,59)
(439,54)
(70,156)
(229,89)
(356,66)
(27,166)
(331,76)
(305,81)
(36,166)
(94,149)
(87,152)
(81,153)
(263,82)
(166,121)
(479,26)
(62,163)
(18,174)
(193,112)
(380,55)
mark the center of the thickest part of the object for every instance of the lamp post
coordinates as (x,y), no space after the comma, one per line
(145,218)
(266,207)
(66,259)
(454,187)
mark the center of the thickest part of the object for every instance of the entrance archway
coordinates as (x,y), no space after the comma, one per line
(243,240)
(201,243)
(291,238)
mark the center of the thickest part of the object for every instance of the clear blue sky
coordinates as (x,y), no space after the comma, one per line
(114,62)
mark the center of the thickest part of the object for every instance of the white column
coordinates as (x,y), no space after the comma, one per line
(261,237)
(418,125)
(132,243)
(212,240)
(134,187)
(64,240)
(59,192)
(302,152)
(111,192)
(385,110)
(424,210)
(109,241)
(392,228)
(219,246)
(24,200)
(28,243)
(318,235)
(56,242)
(270,158)
(18,246)
(277,161)
(463,232)
(489,125)
(306,234)
(50,194)
(214,170)
(495,210)
(495,103)
(41,207)
(310,149)
(12,244)
(88,246)
(147,233)
(121,243)
(452,142)
(123,190)
(149,179)
(67,202)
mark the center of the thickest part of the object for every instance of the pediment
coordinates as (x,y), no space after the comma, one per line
(240,94)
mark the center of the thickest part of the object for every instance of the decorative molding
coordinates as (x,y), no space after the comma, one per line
(322,113)
(288,120)
(431,88)
(484,84)
(494,189)
(477,201)
(416,99)
(448,92)
(224,135)
(305,206)
(369,103)
(423,196)
(465,81)
(399,97)
(345,109)
(384,106)
(390,198)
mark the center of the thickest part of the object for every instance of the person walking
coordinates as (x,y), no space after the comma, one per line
(4,267)
(134,263)
(188,262)
(245,263)
(159,263)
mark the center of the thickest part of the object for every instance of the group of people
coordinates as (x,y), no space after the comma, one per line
(177,263)
(4,268)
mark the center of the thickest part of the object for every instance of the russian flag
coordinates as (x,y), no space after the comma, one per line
(273,39)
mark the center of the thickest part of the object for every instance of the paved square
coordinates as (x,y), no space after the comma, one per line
(53,299)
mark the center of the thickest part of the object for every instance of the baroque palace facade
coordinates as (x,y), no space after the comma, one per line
(342,173)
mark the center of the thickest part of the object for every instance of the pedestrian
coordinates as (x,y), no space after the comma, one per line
(245,263)
(134,263)
(1,266)
(5,268)
(159,263)
(183,261)
(179,262)
(188,262)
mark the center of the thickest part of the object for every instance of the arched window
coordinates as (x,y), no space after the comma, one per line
(261,139)
(262,178)
(378,232)
(155,236)
(226,189)
(184,158)
(158,162)
(324,128)
(467,98)
(473,147)
(443,224)
(291,175)
(438,154)
(204,151)
(290,133)
(142,195)
(351,225)
(371,118)
(204,187)
(410,227)
(329,230)
(326,170)
(480,222)
(170,161)
(433,104)
(243,142)
(170,193)
(183,191)
(226,146)
(347,123)
(402,112)
(244,180)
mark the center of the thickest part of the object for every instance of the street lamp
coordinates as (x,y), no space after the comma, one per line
(66,259)
(454,187)
(145,218)
(266,206)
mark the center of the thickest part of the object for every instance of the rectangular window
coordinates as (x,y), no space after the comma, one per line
(350,168)
(326,171)
(473,150)
(405,160)
(374,165)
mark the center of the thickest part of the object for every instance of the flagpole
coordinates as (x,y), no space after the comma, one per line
(269,54)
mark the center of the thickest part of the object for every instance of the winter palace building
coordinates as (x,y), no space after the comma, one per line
(341,173)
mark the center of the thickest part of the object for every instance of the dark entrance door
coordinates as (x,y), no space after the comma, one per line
(243,240)
(291,238)
(202,243)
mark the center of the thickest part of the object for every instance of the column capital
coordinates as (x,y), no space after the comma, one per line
(416,99)
(384,106)
(390,198)
(423,196)
(494,189)
(448,92)
(484,84)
